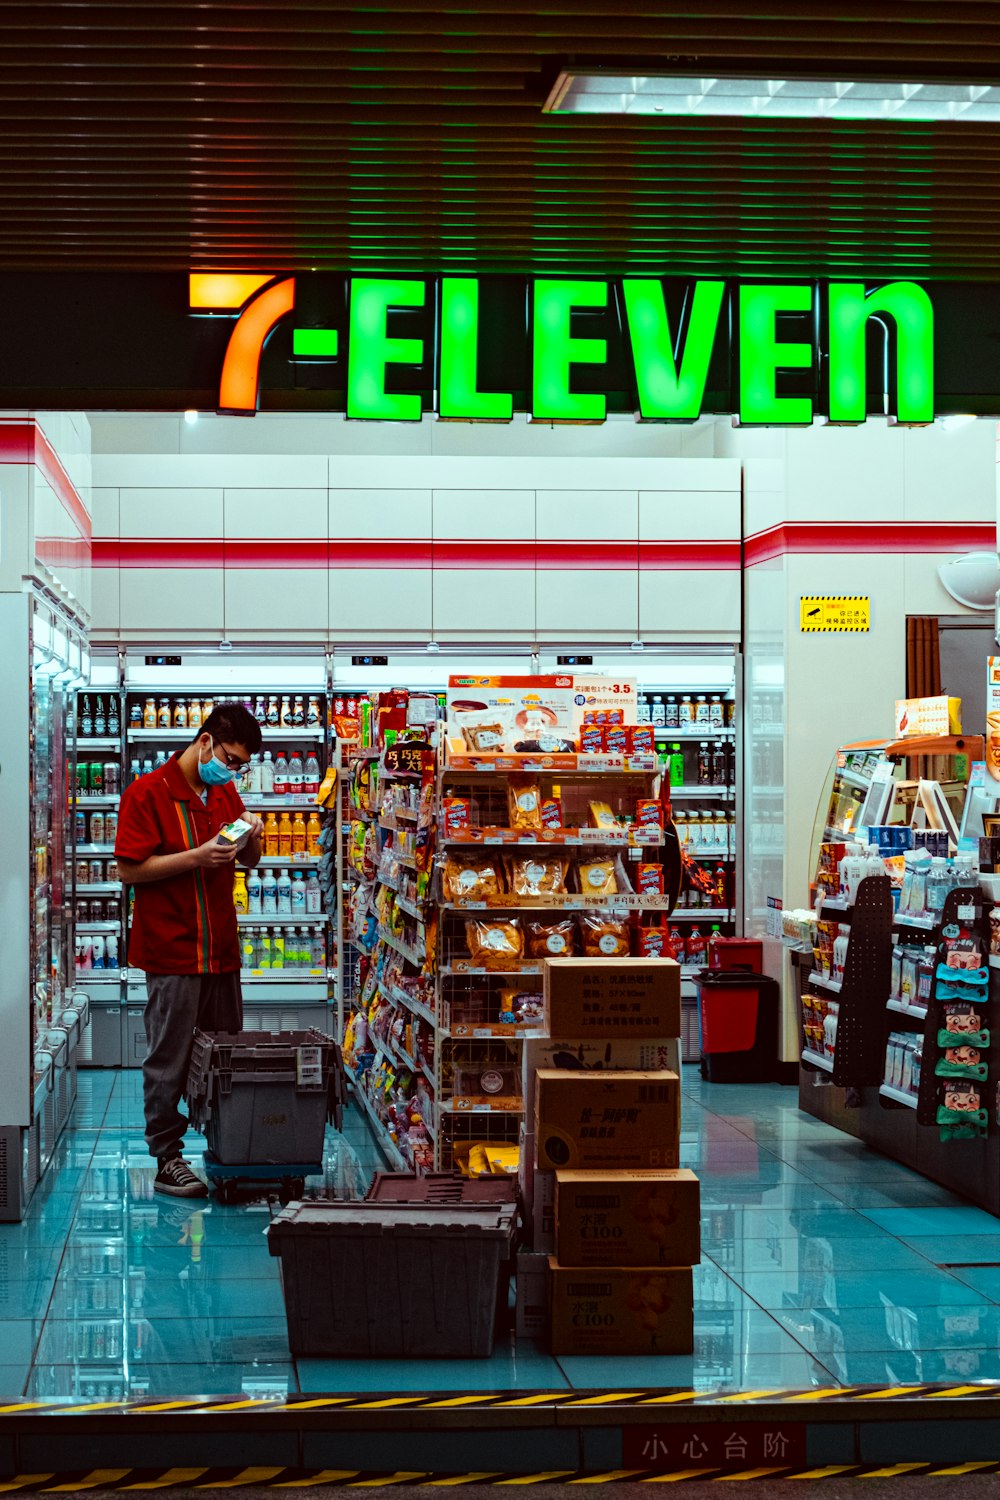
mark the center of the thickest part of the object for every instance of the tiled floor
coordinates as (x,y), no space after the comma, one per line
(823,1263)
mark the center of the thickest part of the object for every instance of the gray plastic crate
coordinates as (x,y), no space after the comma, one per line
(403,1280)
(265,1097)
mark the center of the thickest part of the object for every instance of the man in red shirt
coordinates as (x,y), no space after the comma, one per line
(184,929)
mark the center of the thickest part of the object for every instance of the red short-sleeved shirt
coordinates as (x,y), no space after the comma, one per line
(186,924)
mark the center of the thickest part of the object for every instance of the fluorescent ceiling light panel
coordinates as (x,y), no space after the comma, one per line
(583,91)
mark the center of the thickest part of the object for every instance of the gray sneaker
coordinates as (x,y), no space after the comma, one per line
(176,1178)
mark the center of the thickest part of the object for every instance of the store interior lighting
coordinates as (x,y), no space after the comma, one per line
(602,91)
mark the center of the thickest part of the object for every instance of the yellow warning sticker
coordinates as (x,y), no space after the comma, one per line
(834,612)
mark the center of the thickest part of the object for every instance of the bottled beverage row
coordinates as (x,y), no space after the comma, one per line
(291,833)
(708,832)
(719,891)
(95,871)
(265,893)
(271,710)
(97,908)
(98,715)
(686,713)
(96,951)
(278,774)
(273,949)
(95,828)
(99,777)
(710,764)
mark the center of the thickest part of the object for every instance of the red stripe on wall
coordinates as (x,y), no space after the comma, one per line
(418,553)
(26,443)
(870,536)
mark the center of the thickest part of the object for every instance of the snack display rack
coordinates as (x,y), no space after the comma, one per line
(467,895)
(119,701)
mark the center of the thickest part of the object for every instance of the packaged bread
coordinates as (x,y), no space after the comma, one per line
(538,875)
(601,815)
(487,738)
(471,877)
(494,943)
(524,800)
(604,937)
(550,939)
(597,877)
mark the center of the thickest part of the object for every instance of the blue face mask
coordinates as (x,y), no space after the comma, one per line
(214,773)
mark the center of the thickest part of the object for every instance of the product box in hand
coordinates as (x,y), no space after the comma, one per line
(612,997)
(628,1218)
(621,1309)
(235,835)
(615,1121)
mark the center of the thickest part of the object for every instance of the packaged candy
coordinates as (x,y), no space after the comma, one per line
(457,815)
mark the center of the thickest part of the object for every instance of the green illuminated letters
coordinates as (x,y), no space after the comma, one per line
(555,350)
(668,392)
(910,309)
(761,355)
(457,393)
(372,348)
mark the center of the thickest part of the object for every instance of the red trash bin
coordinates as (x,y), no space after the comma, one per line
(738,1026)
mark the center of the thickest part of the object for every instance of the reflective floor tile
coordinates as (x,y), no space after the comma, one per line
(835,1288)
(908,1222)
(892,1367)
(871,1253)
(784,1223)
(217,1261)
(908,1192)
(864,1330)
(19,1338)
(983,1279)
(29,1297)
(188,1293)
(91,1338)
(13,1379)
(508,1369)
(957,1249)
(795,1371)
(729,1192)
(236,1380)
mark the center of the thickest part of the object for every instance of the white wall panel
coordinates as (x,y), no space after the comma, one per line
(676,515)
(170,512)
(502,472)
(271,603)
(690,602)
(573,603)
(105,603)
(588,515)
(275,513)
(949,473)
(484,515)
(105,513)
(169,601)
(467,603)
(212,470)
(371,511)
(380,603)
(845,474)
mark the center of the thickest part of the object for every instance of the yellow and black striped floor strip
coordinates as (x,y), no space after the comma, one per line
(567,1400)
(141,1481)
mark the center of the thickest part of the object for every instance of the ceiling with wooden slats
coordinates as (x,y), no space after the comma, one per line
(392,135)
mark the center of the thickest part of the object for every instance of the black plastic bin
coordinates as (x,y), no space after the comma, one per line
(738,1027)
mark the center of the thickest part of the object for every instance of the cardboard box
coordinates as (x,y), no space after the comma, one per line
(613,1121)
(538,1198)
(531,1301)
(628,1218)
(622,1309)
(595,1054)
(612,997)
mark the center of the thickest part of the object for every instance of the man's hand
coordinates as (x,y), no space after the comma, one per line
(256,826)
(212,854)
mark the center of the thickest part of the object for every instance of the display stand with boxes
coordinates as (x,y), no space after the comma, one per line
(612,1220)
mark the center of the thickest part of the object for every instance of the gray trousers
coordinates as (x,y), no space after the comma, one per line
(175,1005)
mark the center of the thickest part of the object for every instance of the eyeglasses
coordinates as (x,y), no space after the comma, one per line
(232,762)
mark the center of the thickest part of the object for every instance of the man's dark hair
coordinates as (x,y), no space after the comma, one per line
(233,724)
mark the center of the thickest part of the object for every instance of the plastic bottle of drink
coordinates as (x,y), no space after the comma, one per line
(295,772)
(267,774)
(111,951)
(269,894)
(297,899)
(314,828)
(260,711)
(298,834)
(248,948)
(673,713)
(310,775)
(194,713)
(313,713)
(285,717)
(240,894)
(253,776)
(285,835)
(180,714)
(658,711)
(272,712)
(147,766)
(695,948)
(284,894)
(277,949)
(313,894)
(676,765)
(704,764)
(272,844)
(281,774)
(645,710)
(253,893)
(298,712)
(318,948)
(134,770)
(938,885)
(263,948)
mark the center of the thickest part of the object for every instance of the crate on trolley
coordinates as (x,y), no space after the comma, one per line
(263,1099)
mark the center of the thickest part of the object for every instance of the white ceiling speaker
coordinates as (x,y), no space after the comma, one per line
(972,580)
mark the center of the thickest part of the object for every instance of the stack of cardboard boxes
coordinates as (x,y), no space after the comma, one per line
(612,1220)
